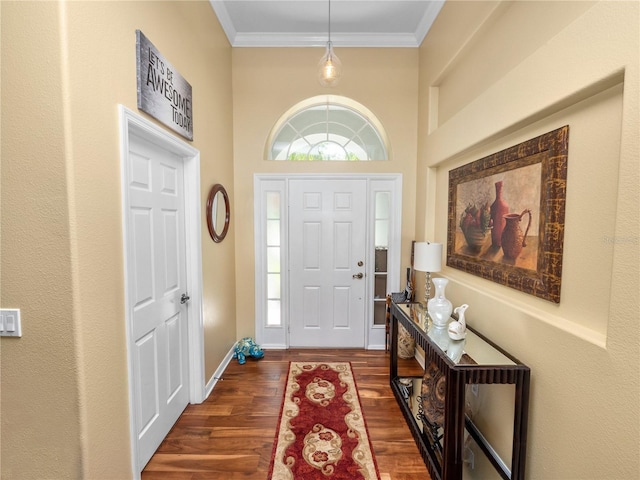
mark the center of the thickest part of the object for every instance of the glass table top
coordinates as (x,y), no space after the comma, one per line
(471,350)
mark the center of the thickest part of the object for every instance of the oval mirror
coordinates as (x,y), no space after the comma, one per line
(218,213)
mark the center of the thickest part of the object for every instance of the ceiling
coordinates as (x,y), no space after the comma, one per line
(303,23)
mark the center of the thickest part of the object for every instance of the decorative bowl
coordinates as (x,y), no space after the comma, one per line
(474,236)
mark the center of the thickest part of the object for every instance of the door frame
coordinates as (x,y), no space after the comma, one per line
(277,337)
(131,122)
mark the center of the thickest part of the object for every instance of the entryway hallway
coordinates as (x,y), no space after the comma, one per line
(230,436)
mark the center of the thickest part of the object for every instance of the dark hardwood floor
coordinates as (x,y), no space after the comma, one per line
(230,436)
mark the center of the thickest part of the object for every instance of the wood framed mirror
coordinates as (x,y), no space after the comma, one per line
(218,213)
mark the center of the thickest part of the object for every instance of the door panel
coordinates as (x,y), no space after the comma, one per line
(327,240)
(147,406)
(156,248)
(140,221)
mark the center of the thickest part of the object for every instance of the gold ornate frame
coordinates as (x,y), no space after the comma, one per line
(535,173)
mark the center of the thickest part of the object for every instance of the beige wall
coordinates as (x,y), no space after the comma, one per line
(39,396)
(503,75)
(65,69)
(269,81)
(491,76)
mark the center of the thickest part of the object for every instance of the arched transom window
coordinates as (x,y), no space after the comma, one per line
(327,128)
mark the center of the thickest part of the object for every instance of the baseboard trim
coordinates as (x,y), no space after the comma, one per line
(274,346)
(420,358)
(217,375)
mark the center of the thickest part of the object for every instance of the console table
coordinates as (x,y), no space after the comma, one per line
(439,423)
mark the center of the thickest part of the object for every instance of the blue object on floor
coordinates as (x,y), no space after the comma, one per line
(247,348)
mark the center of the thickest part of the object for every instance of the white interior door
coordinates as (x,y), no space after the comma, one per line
(156,282)
(327,254)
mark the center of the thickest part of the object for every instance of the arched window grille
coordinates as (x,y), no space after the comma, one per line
(328,128)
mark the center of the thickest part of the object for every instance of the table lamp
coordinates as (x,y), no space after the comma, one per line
(427,257)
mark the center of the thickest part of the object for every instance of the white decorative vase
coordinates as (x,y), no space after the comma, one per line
(458,330)
(439,307)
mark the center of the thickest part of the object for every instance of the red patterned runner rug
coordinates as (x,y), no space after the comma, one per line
(322,433)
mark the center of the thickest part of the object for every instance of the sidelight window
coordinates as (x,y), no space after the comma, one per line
(273,250)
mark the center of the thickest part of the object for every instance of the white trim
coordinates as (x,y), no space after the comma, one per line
(325,100)
(132,122)
(376,347)
(217,375)
(419,355)
(341,39)
(270,337)
(430,14)
(273,346)
(224,18)
(278,338)
(363,40)
(393,185)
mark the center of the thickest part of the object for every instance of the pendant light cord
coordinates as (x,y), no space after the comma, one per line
(329,21)
(330,67)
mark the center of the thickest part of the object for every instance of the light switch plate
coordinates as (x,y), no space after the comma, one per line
(10,325)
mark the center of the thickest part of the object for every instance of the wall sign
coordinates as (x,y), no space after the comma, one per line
(162,92)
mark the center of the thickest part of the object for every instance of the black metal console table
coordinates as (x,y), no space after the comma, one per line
(438,425)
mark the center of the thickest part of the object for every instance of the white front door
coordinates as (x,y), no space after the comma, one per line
(327,254)
(156,282)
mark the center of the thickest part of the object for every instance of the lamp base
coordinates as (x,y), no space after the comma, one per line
(427,288)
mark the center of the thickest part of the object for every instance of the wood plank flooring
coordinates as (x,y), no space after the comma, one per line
(230,435)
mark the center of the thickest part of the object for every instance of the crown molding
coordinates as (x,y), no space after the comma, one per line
(339,39)
(314,40)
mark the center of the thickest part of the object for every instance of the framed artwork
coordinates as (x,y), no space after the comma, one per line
(506,215)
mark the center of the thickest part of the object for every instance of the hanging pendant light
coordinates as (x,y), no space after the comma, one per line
(330,66)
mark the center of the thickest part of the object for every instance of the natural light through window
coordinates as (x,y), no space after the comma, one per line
(274,297)
(328,128)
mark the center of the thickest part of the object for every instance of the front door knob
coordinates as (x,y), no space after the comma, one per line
(358,275)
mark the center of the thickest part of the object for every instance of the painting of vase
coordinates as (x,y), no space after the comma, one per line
(484,205)
(505,220)
(499,208)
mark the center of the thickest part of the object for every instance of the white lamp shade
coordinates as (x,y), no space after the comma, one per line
(427,257)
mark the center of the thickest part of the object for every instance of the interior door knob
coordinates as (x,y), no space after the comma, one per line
(358,275)
(184,298)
